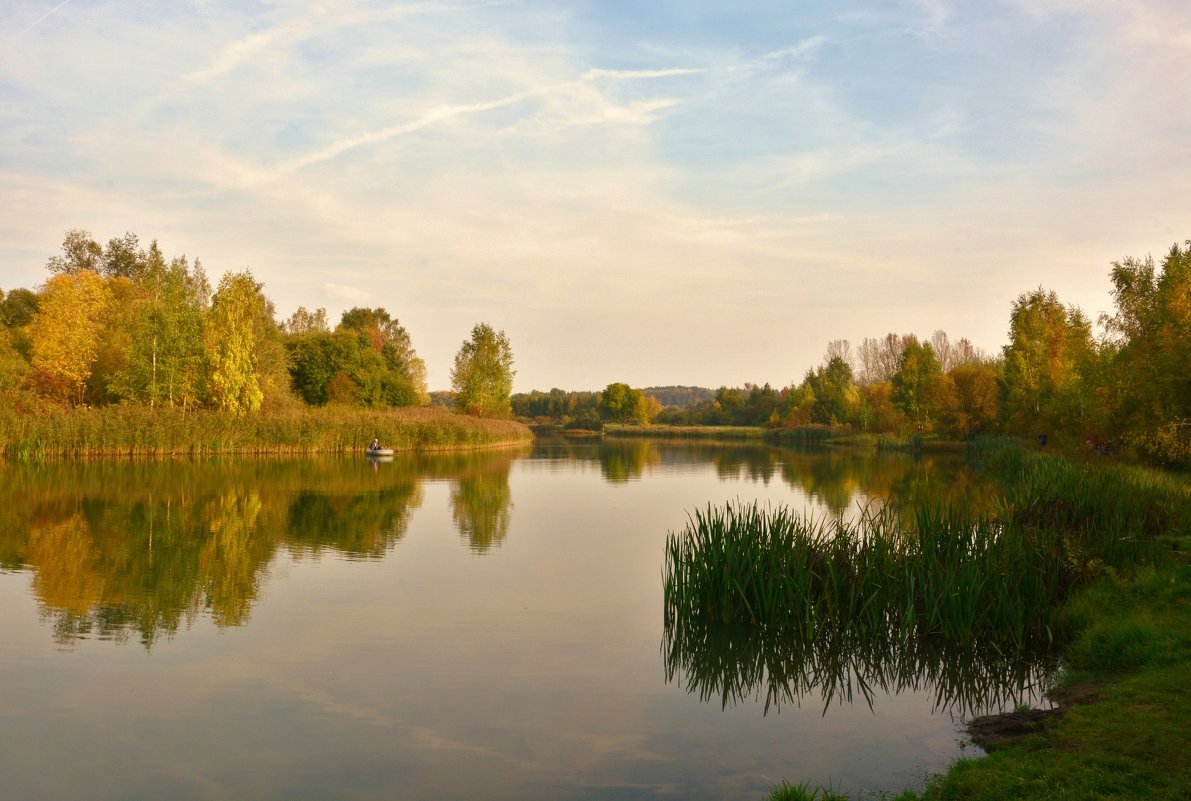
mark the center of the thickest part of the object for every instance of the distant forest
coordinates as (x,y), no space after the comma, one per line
(1126,386)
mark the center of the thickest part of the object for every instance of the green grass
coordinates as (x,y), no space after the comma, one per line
(1134,635)
(126,430)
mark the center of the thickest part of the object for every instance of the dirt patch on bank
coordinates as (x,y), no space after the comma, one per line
(990,731)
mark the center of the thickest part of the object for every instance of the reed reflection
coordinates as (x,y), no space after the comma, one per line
(738,664)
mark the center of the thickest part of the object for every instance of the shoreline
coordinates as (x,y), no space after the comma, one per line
(133,431)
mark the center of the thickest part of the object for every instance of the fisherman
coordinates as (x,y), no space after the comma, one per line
(375,446)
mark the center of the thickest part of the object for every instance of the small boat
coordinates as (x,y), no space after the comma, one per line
(378,452)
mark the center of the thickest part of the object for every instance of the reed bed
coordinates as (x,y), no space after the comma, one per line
(945,576)
(127,430)
(822,601)
(685,432)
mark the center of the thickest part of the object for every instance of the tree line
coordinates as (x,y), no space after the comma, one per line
(120,323)
(1127,385)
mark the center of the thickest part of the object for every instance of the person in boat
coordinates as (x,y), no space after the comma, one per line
(375,446)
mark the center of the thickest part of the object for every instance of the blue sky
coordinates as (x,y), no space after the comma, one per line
(658,193)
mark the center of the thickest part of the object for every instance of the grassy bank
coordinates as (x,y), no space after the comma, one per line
(733,433)
(1132,651)
(807,436)
(138,431)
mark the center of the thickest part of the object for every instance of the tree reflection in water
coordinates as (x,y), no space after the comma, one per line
(120,549)
(482,503)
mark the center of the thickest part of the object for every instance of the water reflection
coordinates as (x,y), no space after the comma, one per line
(841,481)
(735,664)
(481,502)
(119,549)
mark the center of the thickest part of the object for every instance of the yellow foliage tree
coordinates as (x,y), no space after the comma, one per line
(65,334)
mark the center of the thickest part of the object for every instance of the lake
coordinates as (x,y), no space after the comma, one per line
(482,626)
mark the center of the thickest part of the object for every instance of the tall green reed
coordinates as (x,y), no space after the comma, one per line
(944,575)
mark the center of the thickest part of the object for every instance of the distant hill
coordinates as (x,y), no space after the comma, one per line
(680,396)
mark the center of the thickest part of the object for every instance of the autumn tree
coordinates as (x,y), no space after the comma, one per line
(1147,375)
(977,398)
(482,377)
(385,335)
(231,339)
(65,333)
(304,321)
(880,359)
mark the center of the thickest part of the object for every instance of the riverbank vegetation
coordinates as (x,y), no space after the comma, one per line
(1083,558)
(1126,388)
(125,430)
(124,350)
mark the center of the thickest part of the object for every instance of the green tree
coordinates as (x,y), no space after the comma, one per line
(1049,347)
(836,396)
(483,374)
(124,258)
(920,388)
(339,367)
(165,321)
(17,311)
(618,402)
(18,308)
(13,367)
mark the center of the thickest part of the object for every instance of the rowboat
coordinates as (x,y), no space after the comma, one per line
(378,452)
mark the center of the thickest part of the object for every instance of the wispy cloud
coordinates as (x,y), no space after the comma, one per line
(639,112)
(45,16)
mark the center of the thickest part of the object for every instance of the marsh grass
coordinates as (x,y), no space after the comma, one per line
(126,430)
(944,576)
(685,432)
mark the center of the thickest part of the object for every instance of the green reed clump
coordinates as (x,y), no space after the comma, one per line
(943,576)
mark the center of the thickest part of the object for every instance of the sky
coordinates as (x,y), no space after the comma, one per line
(701,193)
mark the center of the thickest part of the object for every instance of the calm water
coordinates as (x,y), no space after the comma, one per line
(483,626)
